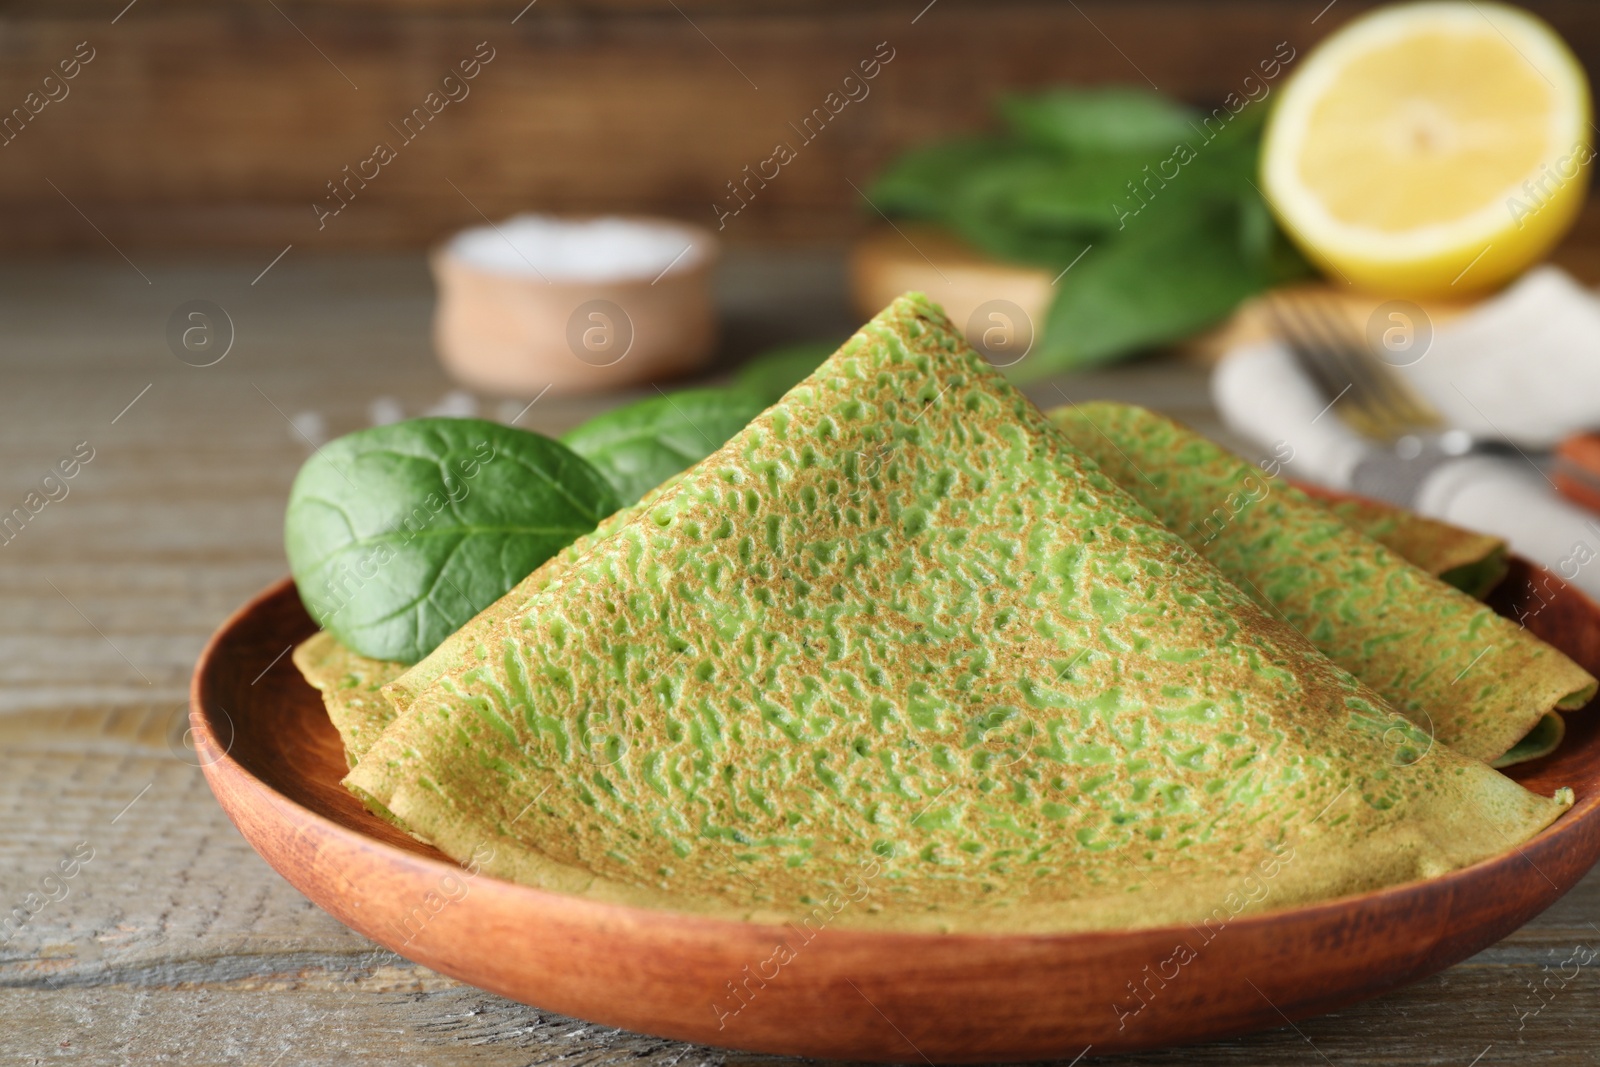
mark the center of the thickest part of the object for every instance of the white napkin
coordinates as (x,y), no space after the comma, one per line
(1523,367)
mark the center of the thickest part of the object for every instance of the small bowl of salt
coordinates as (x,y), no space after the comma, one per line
(573,305)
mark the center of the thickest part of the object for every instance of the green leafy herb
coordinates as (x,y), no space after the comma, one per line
(1111,120)
(639,446)
(1176,273)
(397,535)
(923,182)
(774,372)
(1152,205)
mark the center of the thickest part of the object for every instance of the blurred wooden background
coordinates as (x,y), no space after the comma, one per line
(217,124)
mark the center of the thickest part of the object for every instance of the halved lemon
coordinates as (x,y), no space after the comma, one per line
(1431,149)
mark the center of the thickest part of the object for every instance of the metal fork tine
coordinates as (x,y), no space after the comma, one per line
(1409,412)
(1370,390)
(1338,358)
(1335,376)
(1310,355)
(1321,346)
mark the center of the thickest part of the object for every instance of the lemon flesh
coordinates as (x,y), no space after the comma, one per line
(1431,149)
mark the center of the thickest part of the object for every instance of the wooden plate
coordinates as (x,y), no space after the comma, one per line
(274,762)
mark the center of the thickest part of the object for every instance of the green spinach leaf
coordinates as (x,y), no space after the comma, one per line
(1170,276)
(1151,204)
(921,182)
(399,534)
(641,445)
(1110,119)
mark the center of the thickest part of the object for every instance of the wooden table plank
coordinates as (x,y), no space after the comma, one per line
(175,943)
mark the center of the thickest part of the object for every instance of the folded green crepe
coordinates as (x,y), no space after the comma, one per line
(1474,680)
(348,680)
(1472,562)
(1543,739)
(351,686)
(897,656)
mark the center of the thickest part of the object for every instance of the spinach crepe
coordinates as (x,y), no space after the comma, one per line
(1543,739)
(1474,680)
(897,656)
(351,686)
(1472,562)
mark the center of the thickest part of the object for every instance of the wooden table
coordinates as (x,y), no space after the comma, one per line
(175,943)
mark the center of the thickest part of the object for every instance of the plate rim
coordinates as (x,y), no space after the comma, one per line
(1565,834)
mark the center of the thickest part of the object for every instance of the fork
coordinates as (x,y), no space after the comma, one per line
(1365,390)
(1369,396)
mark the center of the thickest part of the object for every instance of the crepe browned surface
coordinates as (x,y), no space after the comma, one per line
(898,656)
(351,686)
(1440,548)
(1470,561)
(1463,674)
